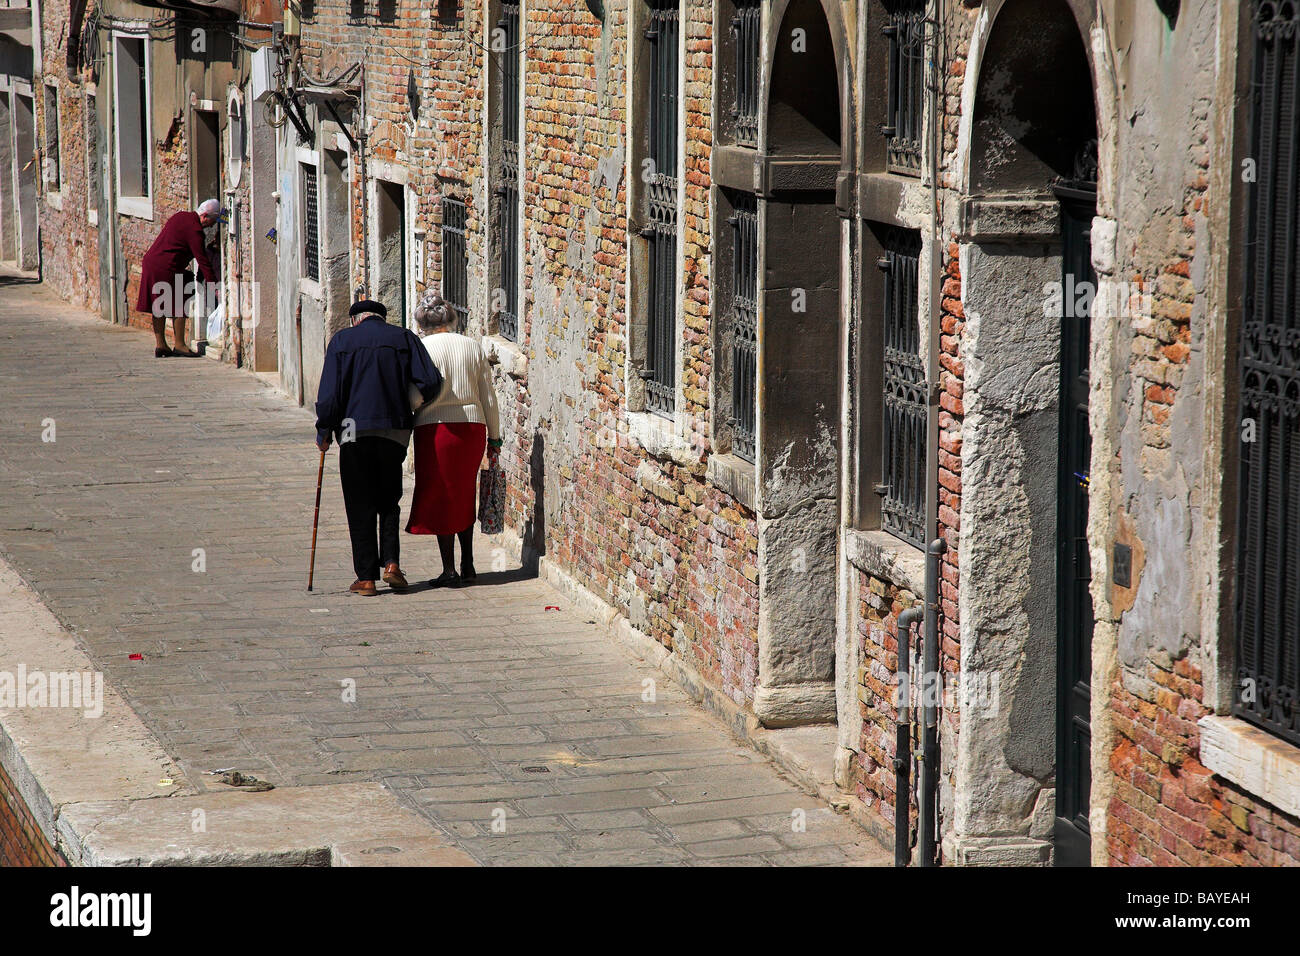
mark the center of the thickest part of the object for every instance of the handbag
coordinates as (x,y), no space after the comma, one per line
(492,497)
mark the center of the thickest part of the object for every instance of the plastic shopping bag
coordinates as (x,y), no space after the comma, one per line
(216,321)
(492,498)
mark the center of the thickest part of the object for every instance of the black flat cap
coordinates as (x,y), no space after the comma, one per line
(368,305)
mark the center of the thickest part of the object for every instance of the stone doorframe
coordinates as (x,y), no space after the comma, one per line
(1001,805)
(795,174)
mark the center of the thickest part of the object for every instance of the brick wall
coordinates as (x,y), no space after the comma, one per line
(69,243)
(22,843)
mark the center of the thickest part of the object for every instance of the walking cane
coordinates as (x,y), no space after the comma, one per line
(315,521)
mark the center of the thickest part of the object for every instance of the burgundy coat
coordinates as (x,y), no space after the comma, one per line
(180,241)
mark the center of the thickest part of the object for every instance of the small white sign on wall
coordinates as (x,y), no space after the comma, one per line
(417,247)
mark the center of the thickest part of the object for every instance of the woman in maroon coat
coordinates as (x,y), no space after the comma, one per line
(163,275)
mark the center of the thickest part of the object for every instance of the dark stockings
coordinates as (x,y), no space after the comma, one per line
(447,548)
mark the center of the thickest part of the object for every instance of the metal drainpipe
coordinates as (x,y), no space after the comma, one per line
(363,137)
(903,743)
(930,746)
(931,688)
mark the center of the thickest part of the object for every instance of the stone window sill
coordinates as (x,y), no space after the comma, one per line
(884,556)
(140,207)
(734,476)
(659,437)
(1253,759)
(310,287)
(509,356)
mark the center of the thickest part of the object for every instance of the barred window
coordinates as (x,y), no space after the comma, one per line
(53,174)
(1267,691)
(455,262)
(744,325)
(93,185)
(904,406)
(745,25)
(310,224)
(508,43)
(660,371)
(905,32)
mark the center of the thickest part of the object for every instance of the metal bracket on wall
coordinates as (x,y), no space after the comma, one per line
(297,115)
(329,105)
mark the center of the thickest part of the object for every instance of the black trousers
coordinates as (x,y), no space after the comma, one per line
(370,468)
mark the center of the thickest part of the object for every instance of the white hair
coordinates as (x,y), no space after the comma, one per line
(209,207)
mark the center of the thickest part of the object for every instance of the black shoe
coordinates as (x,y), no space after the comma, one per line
(162,353)
(444,580)
(467,572)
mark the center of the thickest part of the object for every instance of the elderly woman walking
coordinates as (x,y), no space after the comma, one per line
(450,435)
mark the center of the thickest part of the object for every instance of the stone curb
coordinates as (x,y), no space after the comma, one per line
(105,793)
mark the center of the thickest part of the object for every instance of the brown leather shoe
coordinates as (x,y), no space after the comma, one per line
(363,588)
(394,577)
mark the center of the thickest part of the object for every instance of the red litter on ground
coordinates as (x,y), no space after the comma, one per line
(552,607)
(137,657)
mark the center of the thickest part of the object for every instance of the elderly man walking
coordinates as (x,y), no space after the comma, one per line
(364,401)
(165,281)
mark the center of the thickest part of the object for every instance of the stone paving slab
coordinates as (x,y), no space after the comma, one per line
(518,732)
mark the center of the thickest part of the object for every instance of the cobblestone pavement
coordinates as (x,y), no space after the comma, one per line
(477,706)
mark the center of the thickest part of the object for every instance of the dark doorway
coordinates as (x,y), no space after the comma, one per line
(206,156)
(206,167)
(1073,569)
(8,205)
(390,271)
(24,120)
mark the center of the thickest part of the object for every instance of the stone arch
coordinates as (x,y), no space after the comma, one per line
(1087,29)
(798,117)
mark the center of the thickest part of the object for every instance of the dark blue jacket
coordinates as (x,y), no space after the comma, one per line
(368,371)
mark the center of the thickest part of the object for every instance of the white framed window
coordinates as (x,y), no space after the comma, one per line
(132,83)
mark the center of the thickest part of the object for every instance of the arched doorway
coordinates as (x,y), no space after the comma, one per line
(798,393)
(1028,285)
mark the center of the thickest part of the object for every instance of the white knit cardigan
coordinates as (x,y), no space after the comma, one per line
(467,394)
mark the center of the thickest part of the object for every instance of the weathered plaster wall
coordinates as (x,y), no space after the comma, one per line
(1164,806)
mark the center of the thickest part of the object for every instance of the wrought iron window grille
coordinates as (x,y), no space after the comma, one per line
(903,129)
(508,176)
(1267,611)
(455,256)
(904,407)
(744,326)
(745,29)
(310,224)
(660,369)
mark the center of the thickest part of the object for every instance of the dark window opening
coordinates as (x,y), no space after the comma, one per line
(744,326)
(660,372)
(53,177)
(310,224)
(1267,691)
(905,32)
(904,406)
(745,27)
(508,186)
(455,261)
(133,148)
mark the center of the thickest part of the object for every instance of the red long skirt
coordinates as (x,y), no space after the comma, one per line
(447,459)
